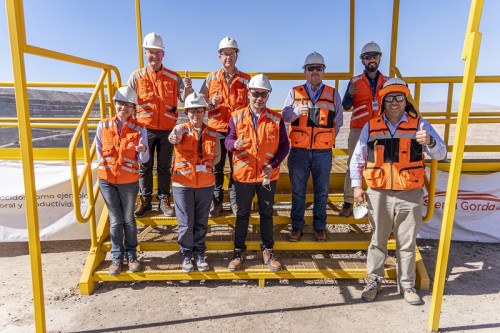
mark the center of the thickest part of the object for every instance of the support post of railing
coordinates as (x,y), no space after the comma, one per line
(394,37)
(351,39)
(90,185)
(448,113)
(139,31)
(416,96)
(470,55)
(102,103)
(111,92)
(15,16)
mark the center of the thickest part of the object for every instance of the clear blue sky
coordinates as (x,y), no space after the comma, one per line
(274,36)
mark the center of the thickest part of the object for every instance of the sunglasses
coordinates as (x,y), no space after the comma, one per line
(257,94)
(155,53)
(122,103)
(232,54)
(398,98)
(315,68)
(196,110)
(371,56)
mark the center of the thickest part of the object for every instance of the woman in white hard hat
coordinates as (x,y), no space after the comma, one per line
(197,150)
(121,145)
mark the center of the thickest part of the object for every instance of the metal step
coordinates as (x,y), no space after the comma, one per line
(224,241)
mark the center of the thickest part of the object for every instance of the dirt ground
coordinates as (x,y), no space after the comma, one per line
(471,301)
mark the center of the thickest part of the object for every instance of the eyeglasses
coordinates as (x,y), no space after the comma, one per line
(122,103)
(155,53)
(196,110)
(371,56)
(315,68)
(232,54)
(398,98)
(257,94)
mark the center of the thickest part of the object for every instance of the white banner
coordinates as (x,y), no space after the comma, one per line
(54,199)
(477,212)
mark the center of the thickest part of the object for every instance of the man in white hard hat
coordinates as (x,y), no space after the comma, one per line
(390,156)
(225,91)
(314,111)
(362,96)
(257,137)
(158,90)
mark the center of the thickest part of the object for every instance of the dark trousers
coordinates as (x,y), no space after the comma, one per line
(157,139)
(219,172)
(191,210)
(244,195)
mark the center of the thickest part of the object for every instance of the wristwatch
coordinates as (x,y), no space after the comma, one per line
(432,142)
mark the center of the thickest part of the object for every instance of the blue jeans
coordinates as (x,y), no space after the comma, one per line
(191,210)
(120,200)
(301,163)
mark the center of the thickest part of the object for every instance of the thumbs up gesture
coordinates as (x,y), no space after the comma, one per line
(240,142)
(175,136)
(422,136)
(353,89)
(303,108)
(187,81)
(140,148)
(216,99)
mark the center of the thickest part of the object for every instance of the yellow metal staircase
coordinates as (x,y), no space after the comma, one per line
(340,257)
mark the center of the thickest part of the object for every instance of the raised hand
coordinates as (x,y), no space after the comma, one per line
(353,89)
(303,108)
(216,99)
(187,81)
(240,142)
(422,136)
(140,148)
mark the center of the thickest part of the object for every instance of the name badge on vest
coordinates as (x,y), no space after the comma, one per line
(201,168)
(374,105)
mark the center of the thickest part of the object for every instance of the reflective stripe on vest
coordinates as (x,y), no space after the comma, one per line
(394,162)
(232,97)
(363,100)
(187,157)
(317,129)
(260,145)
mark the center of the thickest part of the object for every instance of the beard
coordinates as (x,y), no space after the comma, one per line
(371,67)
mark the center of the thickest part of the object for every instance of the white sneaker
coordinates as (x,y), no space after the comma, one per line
(187,265)
(202,264)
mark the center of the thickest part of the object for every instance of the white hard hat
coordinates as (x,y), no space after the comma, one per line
(125,94)
(314,59)
(195,100)
(260,81)
(371,47)
(228,43)
(153,41)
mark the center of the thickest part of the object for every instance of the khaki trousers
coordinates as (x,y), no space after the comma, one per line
(351,144)
(399,212)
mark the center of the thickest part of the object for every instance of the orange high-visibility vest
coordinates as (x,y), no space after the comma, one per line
(156,98)
(259,147)
(316,130)
(193,167)
(394,162)
(232,97)
(362,108)
(119,164)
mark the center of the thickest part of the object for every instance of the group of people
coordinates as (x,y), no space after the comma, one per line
(386,144)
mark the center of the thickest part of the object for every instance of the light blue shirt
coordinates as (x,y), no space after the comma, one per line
(360,154)
(141,157)
(290,112)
